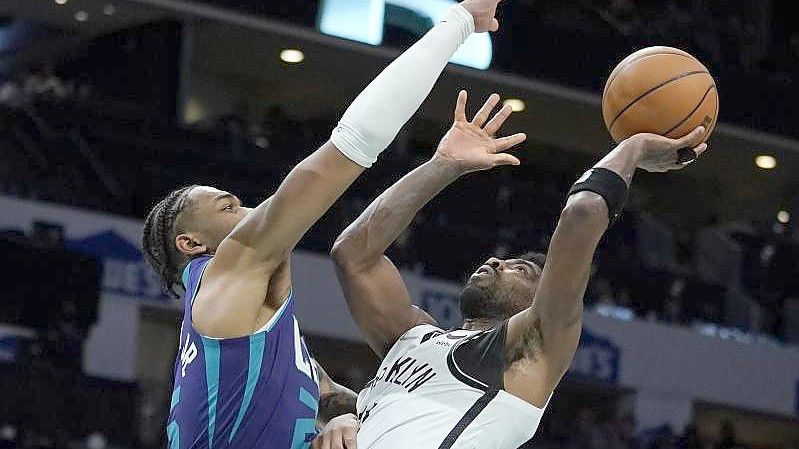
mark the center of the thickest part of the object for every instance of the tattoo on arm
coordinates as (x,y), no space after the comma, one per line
(336,403)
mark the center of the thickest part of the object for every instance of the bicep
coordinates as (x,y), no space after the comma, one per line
(554,320)
(273,228)
(380,303)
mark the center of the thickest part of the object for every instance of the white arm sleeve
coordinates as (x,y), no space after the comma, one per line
(375,117)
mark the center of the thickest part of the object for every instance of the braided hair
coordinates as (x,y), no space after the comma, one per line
(158,239)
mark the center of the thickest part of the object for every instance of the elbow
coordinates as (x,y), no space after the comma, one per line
(585,208)
(344,254)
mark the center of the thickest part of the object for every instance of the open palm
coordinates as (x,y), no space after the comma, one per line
(471,145)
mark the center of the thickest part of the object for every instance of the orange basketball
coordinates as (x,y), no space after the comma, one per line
(661,90)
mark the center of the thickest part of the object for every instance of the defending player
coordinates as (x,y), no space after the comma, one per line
(487,384)
(244,378)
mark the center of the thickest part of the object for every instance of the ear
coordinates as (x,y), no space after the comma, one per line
(189,245)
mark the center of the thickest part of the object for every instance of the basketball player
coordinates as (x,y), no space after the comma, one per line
(485,385)
(243,377)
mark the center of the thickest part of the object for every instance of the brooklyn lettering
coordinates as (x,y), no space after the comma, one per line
(408,373)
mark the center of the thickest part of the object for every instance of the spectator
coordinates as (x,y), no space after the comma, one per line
(11,93)
(727,438)
(689,439)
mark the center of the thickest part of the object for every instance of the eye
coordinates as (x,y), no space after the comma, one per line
(229,207)
(521,268)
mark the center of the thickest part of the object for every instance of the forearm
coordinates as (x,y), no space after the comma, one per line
(368,237)
(583,221)
(339,401)
(385,105)
(623,160)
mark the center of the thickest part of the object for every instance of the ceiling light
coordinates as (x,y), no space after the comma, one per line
(766,162)
(109,10)
(292,55)
(61,2)
(515,104)
(783,217)
(81,16)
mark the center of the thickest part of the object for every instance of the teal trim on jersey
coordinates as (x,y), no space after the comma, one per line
(257,343)
(303,428)
(280,311)
(307,398)
(175,398)
(185,277)
(212,379)
(173,434)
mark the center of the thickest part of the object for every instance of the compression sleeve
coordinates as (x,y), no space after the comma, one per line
(375,117)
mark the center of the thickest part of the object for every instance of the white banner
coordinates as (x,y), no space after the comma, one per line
(657,360)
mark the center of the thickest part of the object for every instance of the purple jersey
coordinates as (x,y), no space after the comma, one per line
(257,391)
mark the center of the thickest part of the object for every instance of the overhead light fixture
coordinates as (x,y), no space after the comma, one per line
(292,56)
(515,104)
(766,162)
(109,10)
(81,16)
(61,2)
(783,216)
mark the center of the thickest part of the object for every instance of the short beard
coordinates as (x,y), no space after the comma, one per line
(485,302)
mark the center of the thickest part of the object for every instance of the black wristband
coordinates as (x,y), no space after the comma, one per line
(606,184)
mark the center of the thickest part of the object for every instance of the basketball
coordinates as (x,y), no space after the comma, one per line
(661,90)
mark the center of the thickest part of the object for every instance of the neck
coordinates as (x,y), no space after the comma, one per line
(478,324)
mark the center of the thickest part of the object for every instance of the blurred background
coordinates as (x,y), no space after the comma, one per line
(691,336)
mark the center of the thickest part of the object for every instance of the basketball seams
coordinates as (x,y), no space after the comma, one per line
(641,58)
(698,105)
(652,89)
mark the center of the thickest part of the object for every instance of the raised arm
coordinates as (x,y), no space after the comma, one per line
(375,292)
(238,278)
(551,326)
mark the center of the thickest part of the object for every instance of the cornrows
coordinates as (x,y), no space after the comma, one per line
(158,239)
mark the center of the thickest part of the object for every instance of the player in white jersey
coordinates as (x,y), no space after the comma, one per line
(487,384)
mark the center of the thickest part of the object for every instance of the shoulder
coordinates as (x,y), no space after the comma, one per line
(479,359)
(414,337)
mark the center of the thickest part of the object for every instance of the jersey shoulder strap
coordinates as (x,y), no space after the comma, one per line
(479,360)
(192,274)
(414,337)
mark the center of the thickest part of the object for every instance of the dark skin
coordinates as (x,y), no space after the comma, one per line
(544,307)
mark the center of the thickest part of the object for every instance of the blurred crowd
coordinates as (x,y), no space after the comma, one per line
(734,35)
(735,275)
(41,82)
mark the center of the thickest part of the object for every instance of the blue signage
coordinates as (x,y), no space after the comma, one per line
(124,270)
(8,348)
(596,359)
(365,20)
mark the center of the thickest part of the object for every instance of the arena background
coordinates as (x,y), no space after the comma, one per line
(691,336)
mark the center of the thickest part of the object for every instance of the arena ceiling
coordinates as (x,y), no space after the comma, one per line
(244,49)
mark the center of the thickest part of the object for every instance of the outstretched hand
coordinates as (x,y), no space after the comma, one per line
(471,144)
(484,12)
(661,154)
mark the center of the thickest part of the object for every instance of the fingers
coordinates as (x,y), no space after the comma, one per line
(696,151)
(460,106)
(482,115)
(350,437)
(692,139)
(505,159)
(498,120)
(508,142)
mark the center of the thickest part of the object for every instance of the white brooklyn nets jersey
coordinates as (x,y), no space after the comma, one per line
(442,390)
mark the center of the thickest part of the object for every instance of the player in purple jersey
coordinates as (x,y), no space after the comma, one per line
(243,377)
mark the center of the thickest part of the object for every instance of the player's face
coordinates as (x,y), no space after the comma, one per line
(212,214)
(500,288)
